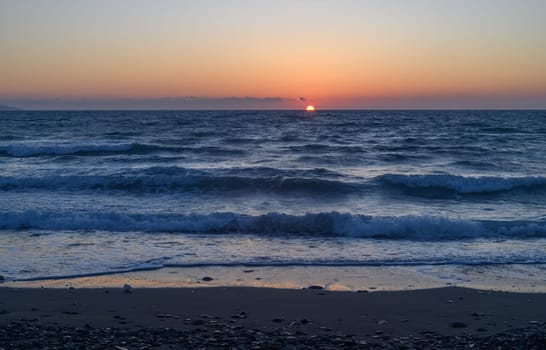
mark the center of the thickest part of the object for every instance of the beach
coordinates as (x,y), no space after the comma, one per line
(272,229)
(243,317)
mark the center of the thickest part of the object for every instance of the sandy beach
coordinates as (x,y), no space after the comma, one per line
(241,317)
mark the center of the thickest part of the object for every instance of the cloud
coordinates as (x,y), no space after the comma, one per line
(447,101)
(164,103)
(302,99)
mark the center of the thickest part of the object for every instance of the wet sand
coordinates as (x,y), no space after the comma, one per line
(509,278)
(371,317)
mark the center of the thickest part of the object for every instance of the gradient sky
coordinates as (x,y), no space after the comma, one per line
(266,54)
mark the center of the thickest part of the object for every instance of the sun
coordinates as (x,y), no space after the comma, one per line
(310,108)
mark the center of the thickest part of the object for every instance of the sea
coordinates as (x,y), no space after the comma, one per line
(86,193)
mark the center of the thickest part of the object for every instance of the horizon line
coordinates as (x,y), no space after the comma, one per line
(18,109)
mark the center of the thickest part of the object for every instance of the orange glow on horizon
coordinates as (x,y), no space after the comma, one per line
(310,108)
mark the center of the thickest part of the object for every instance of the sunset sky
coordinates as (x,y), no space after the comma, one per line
(163,54)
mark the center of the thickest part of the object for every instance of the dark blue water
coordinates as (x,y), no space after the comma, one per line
(93,192)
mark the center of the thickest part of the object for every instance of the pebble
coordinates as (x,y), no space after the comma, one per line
(458,325)
(167,316)
(207,279)
(70,312)
(238,316)
(24,335)
(315,287)
(127,288)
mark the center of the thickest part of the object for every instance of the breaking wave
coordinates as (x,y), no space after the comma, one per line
(269,180)
(319,224)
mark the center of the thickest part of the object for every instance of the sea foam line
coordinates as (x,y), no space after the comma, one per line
(279,264)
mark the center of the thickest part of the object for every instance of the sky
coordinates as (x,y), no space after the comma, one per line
(257,54)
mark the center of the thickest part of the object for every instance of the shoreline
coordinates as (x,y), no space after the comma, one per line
(508,278)
(273,315)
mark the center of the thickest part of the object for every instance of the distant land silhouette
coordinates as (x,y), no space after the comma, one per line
(8,108)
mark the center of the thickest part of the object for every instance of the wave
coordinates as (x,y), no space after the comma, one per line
(318,224)
(314,181)
(188,183)
(30,150)
(162,179)
(326,148)
(97,149)
(462,184)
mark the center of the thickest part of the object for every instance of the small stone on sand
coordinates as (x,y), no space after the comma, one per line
(315,287)
(127,289)
(458,325)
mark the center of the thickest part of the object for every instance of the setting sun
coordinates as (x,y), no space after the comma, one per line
(310,108)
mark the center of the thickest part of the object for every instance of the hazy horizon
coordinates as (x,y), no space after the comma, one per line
(279,103)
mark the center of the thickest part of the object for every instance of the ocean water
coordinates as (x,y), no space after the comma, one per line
(87,193)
